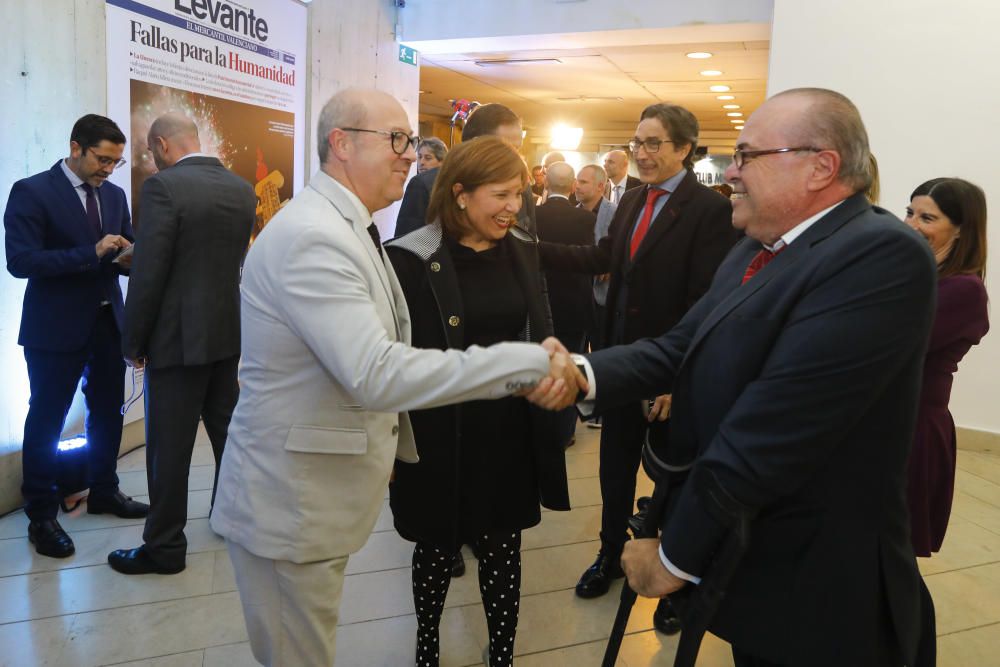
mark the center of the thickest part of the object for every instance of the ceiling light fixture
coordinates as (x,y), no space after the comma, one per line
(734,114)
(730,106)
(719,89)
(710,72)
(699,55)
(725,97)
(736,120)
(566,138)
(518,61)
(591,98)
(737,127)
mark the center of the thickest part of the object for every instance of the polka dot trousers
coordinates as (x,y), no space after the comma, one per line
(499,586)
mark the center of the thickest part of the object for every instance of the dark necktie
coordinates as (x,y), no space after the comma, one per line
(759,261)
(376,239)
(647,216)
(93,215)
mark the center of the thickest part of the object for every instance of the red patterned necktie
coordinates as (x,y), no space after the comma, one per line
(647,216)
(759,261)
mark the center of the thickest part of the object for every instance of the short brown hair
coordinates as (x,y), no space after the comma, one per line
(965,205)
(486,119)
(472,164)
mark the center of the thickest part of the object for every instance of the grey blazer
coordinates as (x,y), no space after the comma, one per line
(183,302)
(327,376)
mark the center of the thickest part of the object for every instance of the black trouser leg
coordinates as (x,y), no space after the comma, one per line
(431,578)
(174,399)
(104,390)
(621,451)
(500,588)
(220,400)
(53,377)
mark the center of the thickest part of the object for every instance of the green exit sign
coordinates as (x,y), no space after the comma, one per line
(407,55)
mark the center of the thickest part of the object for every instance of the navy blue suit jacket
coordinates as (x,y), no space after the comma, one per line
(796,394)
(50,242)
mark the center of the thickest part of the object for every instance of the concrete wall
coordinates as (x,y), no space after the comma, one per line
(921,74)
(53,61)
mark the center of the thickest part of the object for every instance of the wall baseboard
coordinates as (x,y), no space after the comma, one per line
(975,440)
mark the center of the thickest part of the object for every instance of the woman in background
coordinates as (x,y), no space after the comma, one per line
(485,466)
(951,214)
(430,154)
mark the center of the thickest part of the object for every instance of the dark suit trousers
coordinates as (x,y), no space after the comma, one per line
(575,341)
(53,377)
(622,437)
(176,397)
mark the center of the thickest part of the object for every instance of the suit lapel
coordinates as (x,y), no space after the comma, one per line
(667,218)
(782,264)
(76,214)
(325,185)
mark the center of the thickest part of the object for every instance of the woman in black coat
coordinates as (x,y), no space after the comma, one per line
(485,466)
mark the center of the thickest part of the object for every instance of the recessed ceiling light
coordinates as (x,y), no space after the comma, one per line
(711,72)
(737,127)
(699,55)
(734,114)
(719,89)
(724,106)
(726,97)
(566,138)
(736,120)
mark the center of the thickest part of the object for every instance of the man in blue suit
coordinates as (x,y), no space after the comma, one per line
(63,229)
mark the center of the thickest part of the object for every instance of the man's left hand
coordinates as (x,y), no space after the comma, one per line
(646,573)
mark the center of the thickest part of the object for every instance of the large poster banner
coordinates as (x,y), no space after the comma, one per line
(237,69)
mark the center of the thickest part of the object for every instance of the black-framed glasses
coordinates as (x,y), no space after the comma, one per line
(651,145)
(741,157)
(399,140)
(105,161)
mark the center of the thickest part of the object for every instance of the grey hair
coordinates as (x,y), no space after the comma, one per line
(834,123)
(344,109)
(600,175)
(436,146)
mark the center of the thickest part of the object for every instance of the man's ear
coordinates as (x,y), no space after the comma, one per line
(340,144)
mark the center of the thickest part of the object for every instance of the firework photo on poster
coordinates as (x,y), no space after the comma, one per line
(254,142)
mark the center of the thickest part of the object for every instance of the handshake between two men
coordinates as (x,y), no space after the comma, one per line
(564,383)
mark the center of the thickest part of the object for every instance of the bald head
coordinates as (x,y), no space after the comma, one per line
(559,178)
(349,108)
(172,136)
(356,132)
(616,165)
(552,158)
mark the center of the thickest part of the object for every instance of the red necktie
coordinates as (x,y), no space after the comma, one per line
(647,216)
(759,261)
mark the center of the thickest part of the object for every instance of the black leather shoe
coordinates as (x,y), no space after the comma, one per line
(118,504)
(596,581)
(137,561)
(50,539)
(665,619)
(458,567)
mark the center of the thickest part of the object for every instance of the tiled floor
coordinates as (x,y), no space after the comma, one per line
(78,612)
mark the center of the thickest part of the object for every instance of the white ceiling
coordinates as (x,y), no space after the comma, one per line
(641,67)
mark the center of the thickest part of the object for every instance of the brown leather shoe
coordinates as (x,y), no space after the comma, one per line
(50,539)
(118,504)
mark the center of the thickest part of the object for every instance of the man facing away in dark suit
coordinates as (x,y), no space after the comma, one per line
(619,180)
(182,324)
(795,383)
(570,294)
(666,240)
(63,228)
(495,119)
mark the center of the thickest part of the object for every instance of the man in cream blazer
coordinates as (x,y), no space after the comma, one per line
(327,375)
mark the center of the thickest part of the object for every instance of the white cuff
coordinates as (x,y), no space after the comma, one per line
(676,571)
(591,383)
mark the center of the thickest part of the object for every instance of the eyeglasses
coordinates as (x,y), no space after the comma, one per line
(741,157)
(651,145)
(105,161)
(399,140)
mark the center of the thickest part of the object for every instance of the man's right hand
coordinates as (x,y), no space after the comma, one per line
(111,242)
(564,382)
